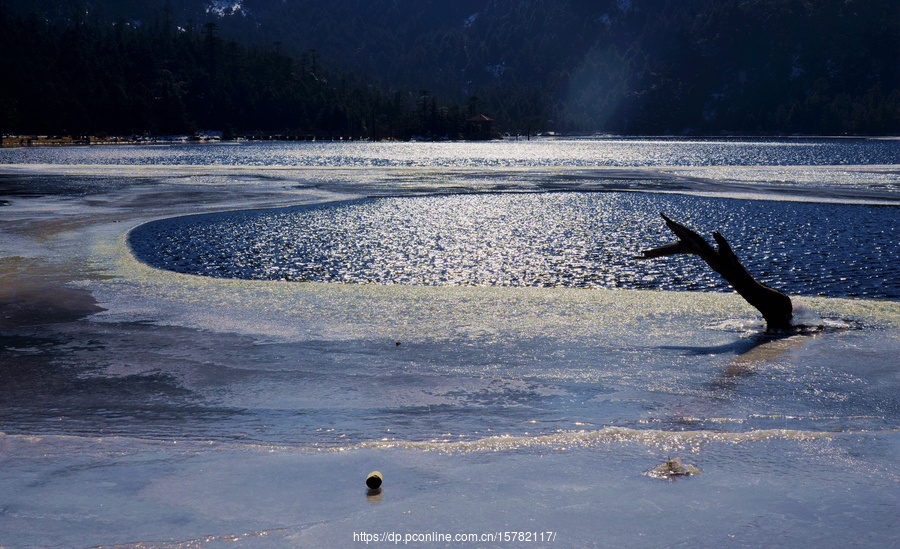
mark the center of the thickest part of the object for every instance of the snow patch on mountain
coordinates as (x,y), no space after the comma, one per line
(223,8)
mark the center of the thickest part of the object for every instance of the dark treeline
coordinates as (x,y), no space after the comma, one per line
(397,68)
(82,78)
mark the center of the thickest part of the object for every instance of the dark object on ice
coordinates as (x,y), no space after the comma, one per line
(775,306)
(374,479)
(673,468)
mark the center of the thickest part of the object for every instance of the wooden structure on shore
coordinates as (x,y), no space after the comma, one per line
(479,128)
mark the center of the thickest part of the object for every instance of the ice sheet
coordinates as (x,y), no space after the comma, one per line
(200,412)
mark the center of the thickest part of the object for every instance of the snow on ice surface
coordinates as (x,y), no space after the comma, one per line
(204,412)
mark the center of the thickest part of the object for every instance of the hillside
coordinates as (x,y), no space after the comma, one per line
(625,66)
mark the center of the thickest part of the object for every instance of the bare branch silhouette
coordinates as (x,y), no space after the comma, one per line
(775,306)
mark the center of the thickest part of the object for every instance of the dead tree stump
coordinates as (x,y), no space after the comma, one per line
(775,306)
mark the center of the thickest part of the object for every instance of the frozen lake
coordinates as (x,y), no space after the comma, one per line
(522,376)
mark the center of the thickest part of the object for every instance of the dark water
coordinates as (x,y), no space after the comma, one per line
(570,239)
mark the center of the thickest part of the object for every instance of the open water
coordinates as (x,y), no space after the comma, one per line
(466,318)
(563,239)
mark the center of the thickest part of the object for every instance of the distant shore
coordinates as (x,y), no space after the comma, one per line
(12,141)
(55,140)
(67,140)
(16,141)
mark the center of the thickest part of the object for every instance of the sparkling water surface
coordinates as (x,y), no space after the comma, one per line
(537,239)
(568,152)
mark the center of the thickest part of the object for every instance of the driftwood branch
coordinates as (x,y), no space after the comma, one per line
(775,306)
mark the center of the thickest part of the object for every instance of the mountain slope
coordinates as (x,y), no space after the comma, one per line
(635,66)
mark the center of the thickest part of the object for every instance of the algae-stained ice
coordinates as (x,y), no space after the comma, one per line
(200,345)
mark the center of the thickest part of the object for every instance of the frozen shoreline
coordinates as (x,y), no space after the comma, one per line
(92,480)
(106,493)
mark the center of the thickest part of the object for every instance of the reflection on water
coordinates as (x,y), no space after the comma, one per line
(584,152)
(537,239)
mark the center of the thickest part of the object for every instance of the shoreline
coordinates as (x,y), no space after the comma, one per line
(38,140)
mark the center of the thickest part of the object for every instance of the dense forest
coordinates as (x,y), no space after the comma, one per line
(397,68)
(82,79)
